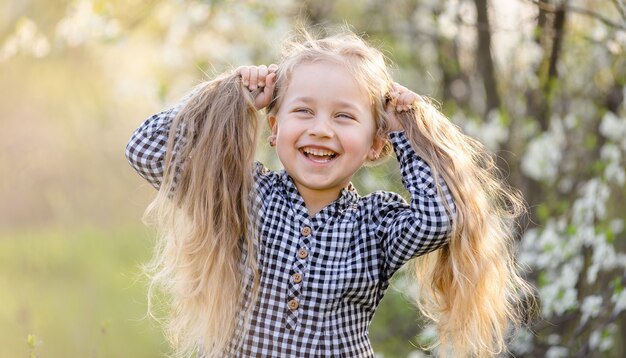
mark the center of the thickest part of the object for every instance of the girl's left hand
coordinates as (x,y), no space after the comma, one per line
(401,100)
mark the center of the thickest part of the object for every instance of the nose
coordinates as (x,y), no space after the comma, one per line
(321,127)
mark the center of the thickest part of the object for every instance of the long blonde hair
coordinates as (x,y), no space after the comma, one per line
(470,288)
(203,216)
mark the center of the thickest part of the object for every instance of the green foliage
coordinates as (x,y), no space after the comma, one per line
(395,326)
(79,290)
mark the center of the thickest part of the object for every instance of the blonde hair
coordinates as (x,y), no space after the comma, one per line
(470,288)
(203,216)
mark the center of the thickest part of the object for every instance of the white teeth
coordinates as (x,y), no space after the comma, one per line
(318,152)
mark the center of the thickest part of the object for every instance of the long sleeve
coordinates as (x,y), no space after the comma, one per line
(147,146)
(409,230)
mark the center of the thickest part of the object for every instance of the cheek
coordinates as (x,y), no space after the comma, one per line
(288,132)
(360,144)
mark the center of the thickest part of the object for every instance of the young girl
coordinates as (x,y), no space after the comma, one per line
(294,263)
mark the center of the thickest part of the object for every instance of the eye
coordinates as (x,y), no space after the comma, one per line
(345,115)
(303,110)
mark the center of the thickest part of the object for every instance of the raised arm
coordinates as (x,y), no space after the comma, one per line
(408,230)
(146,150)
(147,146)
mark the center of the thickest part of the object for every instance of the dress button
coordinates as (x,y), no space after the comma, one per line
(293,304)
(297,278)
(306,231)
(302,253)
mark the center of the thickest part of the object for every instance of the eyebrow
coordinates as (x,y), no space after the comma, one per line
(306,99)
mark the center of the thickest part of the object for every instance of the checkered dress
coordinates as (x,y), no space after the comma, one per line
(321,277)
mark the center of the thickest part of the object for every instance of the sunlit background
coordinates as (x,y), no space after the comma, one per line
(541,83)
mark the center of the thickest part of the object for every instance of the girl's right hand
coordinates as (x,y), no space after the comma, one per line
(261,76)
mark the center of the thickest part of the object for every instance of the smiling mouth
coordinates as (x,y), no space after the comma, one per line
(318,155)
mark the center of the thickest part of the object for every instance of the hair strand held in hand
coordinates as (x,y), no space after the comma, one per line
(470,288)
(202,215)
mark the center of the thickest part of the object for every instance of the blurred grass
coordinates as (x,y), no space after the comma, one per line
(79,291)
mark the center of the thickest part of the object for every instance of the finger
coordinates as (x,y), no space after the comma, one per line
(264,97)
(244,71)
(272,68)
(402,93)
(407,98)
(399,88)
(402,98)
(270,81)
(262,75)
(392,97)
(268,90)
(254,78)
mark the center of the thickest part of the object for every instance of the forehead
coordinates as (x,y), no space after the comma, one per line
(325,79)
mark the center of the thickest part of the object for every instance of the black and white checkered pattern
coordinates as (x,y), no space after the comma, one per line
(354,246)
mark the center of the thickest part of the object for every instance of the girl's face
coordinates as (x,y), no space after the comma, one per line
(324,128)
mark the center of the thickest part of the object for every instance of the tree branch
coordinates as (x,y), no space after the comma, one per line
(484,57)
(621,8)
(559,27)
(569,8)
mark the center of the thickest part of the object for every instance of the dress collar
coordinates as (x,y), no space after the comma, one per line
(347,197)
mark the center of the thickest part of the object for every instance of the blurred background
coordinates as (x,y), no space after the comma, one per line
(541,83)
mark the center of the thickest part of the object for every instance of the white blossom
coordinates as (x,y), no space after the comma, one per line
(422,20)
(82,24)
(417,354)
(616,173)
(557,298)
(491,132)
(619,300)
(545,249)
(557,352)
(613,46)
(529,55)
(614,128)
(599,33)
(428,334)
(616,226)
(544,153)
(592,202)
(592,272)
(528,253)
(553,339)
(446,22)
(522,341)
(614,170)
(27,40)
(198,12)
(591,307)
(620,36)
(604,254)
(603,339)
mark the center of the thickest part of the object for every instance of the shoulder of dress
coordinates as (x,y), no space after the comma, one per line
(264,178)
(380,198)
(260,170)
